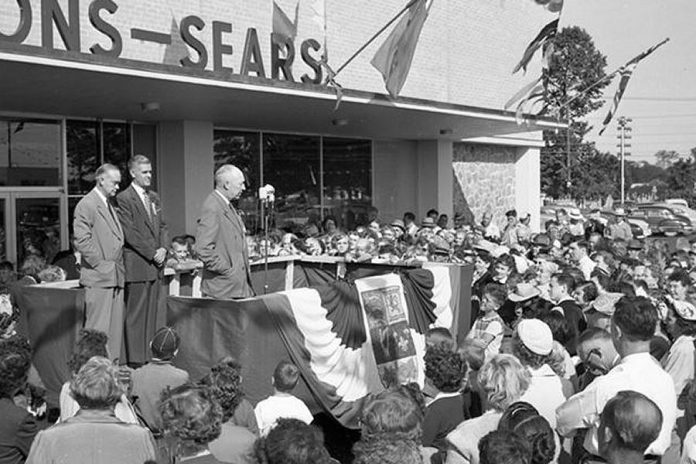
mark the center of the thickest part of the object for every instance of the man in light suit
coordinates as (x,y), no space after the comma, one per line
(221,241)
(144,252)
(99,239)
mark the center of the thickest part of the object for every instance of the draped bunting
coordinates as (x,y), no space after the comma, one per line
(321,329)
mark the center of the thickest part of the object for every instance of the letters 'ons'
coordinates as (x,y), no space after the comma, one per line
(190,28)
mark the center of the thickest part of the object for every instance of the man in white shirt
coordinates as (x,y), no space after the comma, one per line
(632,327)
(580,251)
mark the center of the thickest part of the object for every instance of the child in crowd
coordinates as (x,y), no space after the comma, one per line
(152,378)
(446,371)
(489,327)
(180,256)
(7,276)
(282,404)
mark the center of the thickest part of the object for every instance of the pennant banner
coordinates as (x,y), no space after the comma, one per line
(393,59)
(626,72)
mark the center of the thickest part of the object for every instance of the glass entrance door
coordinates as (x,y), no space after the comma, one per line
(4,226)
(32,225)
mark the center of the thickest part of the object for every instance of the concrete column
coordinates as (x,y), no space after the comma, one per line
(528,184)
(394,176)
(435,179)
(185,159)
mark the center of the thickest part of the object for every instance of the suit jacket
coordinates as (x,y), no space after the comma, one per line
(221,245)
(143,235)
(99,237)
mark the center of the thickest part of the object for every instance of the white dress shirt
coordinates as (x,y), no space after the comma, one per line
(679,362)
(639,372)
(141,194)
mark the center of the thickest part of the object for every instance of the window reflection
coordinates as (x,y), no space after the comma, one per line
(30,153)
(38,227)
(347,180)
(83,155)
(117,147)
(3,233)
(291,165)
(242,150)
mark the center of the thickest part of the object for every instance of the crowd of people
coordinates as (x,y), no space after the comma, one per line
(581,349)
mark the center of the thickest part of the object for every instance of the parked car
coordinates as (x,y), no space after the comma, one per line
(639,227)
(663,220)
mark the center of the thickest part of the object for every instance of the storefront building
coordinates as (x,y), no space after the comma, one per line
(193,85)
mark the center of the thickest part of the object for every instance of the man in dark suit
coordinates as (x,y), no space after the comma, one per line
(144,252)
(221,240)
(99,239)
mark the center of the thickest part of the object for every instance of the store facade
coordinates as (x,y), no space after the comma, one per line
(195,85)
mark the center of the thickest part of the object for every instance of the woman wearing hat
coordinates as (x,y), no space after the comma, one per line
(532,344)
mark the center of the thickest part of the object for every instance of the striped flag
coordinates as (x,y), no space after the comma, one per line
(393,59)
(626,72)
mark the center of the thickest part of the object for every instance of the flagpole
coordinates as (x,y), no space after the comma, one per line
(377,34)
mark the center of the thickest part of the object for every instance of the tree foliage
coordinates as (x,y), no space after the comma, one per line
(574,79)
(574,89)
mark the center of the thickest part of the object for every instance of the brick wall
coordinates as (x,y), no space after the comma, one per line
(484,179)
(465,55)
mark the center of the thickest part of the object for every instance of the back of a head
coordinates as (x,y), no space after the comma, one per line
(636,317)
(445,368)
(224,381)
(292,441)
(89,343)
(285,376)
(190,414)
(525,421)
(165,343)
(15,359)
(633,420)
(439,336)
(504,380)
(503,447)
(392,413)
(474,352)
(96,385)
(384,450)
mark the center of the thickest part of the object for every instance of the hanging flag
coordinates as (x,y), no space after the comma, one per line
(393,59)
(282,24)
(626,72)
(546,34)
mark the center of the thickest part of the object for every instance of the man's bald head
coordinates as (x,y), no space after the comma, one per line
(630,421)
(229,181)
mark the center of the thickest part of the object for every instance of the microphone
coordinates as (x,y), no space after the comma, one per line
(267,193)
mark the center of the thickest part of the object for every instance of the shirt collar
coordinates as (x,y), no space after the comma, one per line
(140,191)
(636,357)
(445,395)
(101,195)
(222,196)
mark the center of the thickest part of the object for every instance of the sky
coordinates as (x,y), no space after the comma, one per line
(661,95)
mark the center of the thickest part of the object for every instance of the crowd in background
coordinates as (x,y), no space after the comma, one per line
(581,349)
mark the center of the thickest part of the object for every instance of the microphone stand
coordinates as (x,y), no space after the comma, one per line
(266,210)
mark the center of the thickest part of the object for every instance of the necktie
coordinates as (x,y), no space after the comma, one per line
(148,205)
